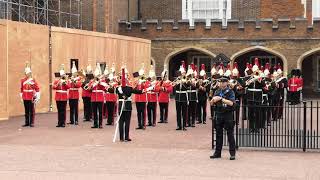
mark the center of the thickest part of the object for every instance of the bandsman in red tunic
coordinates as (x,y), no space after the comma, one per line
(164,88)
(61,86)
(141,99)
(111,96)
(86,95)
(30,95)
(75,85)
(98,87)
(152,97)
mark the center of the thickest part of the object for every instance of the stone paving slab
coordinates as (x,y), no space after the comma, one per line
(47,152)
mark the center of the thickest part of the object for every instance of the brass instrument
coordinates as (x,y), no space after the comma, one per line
(251,80)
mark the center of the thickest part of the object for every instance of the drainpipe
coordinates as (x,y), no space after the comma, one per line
(50,70)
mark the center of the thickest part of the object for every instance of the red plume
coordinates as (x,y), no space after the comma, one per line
(123,78)
(203,67)
(183,64)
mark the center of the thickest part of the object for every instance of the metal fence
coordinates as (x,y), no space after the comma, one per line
(287,126)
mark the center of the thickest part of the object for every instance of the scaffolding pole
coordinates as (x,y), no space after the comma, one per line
(46,12)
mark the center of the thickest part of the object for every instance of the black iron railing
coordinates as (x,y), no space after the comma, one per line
(288,126)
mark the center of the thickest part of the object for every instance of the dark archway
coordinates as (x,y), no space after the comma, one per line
(190,56)
(263,56)
(311,75)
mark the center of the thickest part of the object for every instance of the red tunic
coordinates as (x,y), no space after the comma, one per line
(294,84)
(140,97)
(74,89)
(28,88)
(152,95)
(97,91)
(111,95)
(164,91)
(61,90)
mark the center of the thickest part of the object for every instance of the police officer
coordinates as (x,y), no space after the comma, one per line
(224,102)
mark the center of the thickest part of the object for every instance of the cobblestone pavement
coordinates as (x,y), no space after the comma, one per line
(79,152)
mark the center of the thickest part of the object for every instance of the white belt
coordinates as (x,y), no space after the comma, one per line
(26,90)
(265,95)
(192,91)
(62,91)
(181,91)
(123,100)
(97,91)
(293,85)
(74,89)
(151,93)
(255,90)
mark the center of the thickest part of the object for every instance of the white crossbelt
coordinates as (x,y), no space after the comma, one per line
(28,90)
(62,91)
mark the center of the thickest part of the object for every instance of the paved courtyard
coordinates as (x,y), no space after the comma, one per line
(161,152)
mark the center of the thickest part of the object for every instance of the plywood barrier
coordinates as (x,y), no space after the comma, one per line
(30,42)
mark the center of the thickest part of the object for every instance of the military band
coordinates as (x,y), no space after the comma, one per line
(259,95)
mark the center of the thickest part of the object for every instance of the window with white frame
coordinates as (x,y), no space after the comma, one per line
(316,8)
(206,9)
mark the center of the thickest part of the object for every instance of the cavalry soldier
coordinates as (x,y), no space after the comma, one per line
(152,97)
(236,84)
(111,96)
(86,94)
(224,100)
(213,86)
(255,98)
(141,99)
(295,84)
(269,90)
(281,84)
(192,96)
(98,87)
(61,86)
(181,98)
(164,88)
(125,106)
(30,94)
(75,84)
(203,88)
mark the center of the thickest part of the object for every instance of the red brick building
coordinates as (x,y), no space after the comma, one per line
(207,31)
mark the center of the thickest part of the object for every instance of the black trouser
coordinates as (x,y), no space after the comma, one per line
(110,110)
(228,125)
(181,108)
(141,113)
(97,113)
(28,112)
(73,104)
(124,124)
(255,112)
(202,111)
(163,112)
(212,111)
(192,107)
(152,112)
(294,97)
(61,106)
(87,111)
